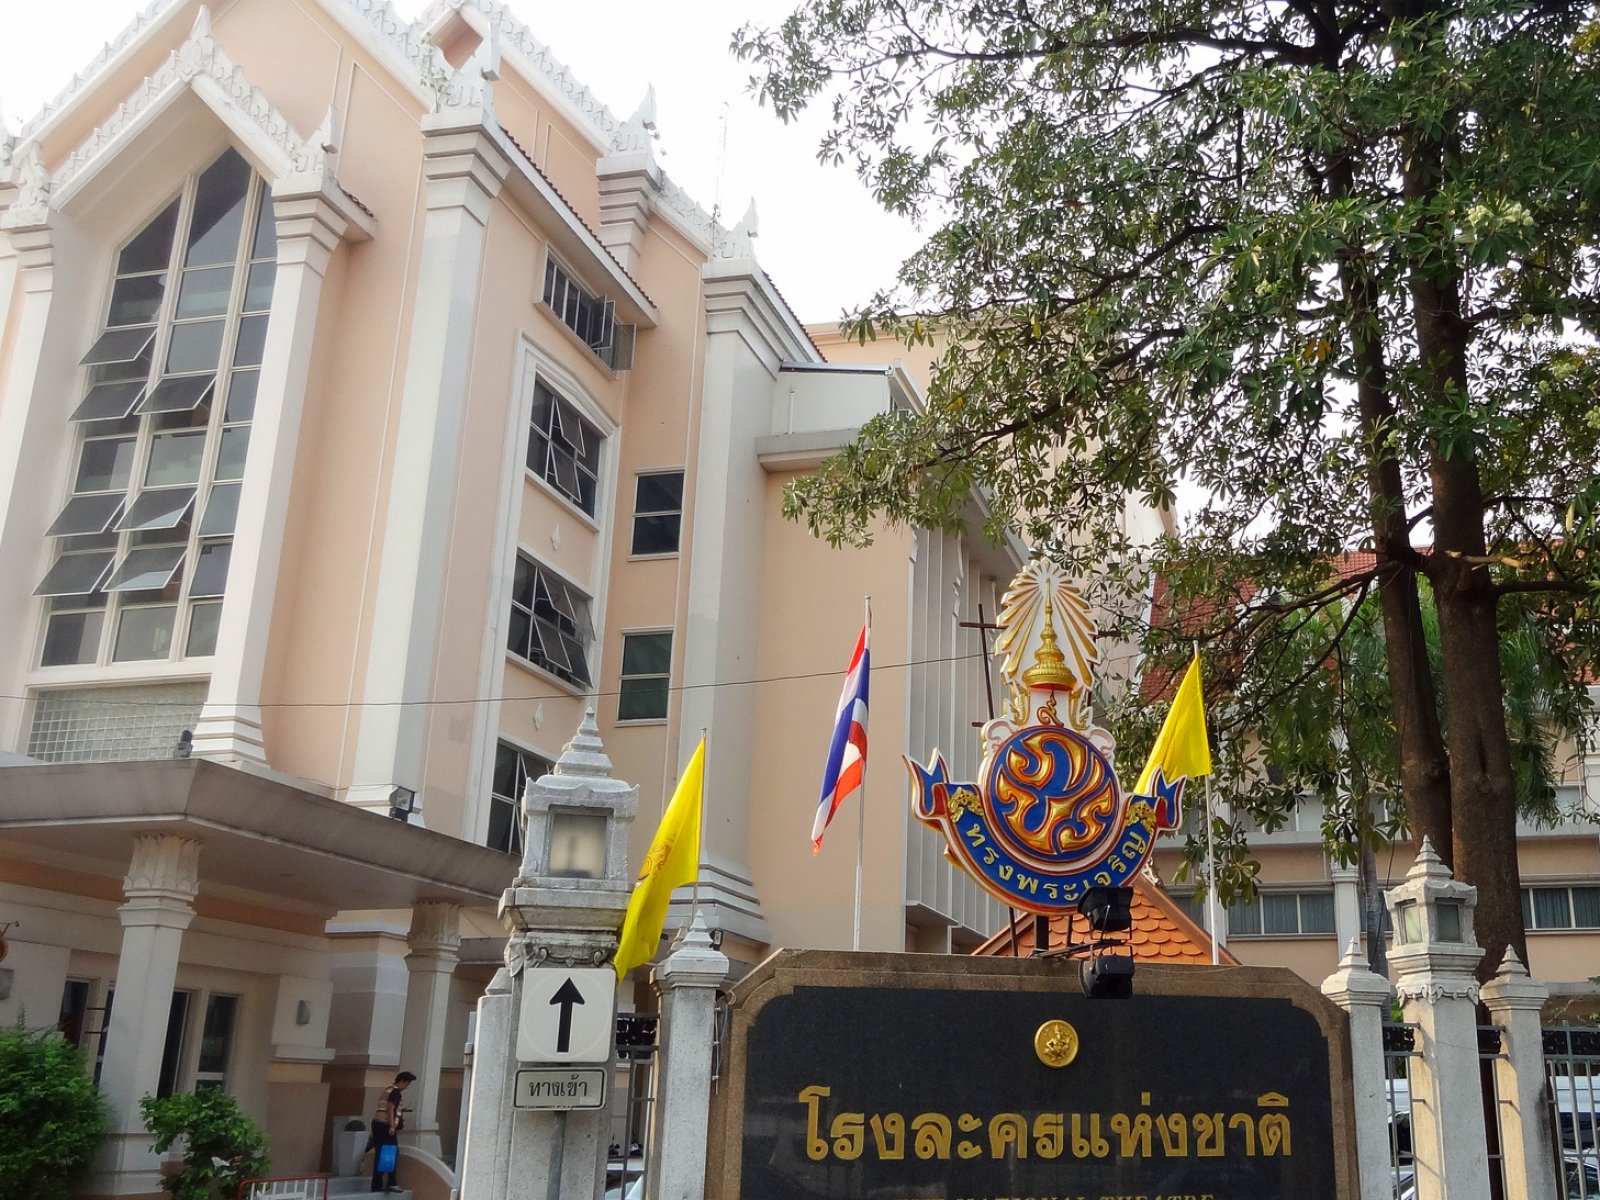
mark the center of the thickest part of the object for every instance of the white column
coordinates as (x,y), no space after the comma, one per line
(309,229)
(464,168)
(486,1157)
(1514,1001)
(30,269)
(688,982)
(1365,997)
(1439,995)
(163,877)
(1346,904)
(435,941)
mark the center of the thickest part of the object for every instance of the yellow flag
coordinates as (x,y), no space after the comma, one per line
(1181,747)
(673,860)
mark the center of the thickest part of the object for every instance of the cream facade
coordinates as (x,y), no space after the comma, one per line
(371,405)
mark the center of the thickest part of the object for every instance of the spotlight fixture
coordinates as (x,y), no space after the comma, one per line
(1105,972)
(1107,976)
(1107,909)
(185,746)
(402,803)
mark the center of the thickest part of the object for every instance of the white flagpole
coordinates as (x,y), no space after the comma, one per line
(861,804)
(1211,864)
(700,850)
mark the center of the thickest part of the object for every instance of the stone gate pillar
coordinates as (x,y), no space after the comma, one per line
(562,912)
(688,981)
(1365,997)
(1514,1002)
(1434,955)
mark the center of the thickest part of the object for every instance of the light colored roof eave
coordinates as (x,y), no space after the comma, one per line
(568,233)
(196,796)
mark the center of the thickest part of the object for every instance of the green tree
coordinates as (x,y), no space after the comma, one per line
(1332,263)
(221,1146)
(51,1116)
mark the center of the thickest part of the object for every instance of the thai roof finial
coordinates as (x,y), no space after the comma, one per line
(1049,672)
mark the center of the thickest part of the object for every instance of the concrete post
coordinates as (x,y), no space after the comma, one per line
(557,919)
(688,982)
(435,942)
(1514,1002)
(486,1145)
(1365,997)
(163,878)
(1433,958)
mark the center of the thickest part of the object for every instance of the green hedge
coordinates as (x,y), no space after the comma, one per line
(51,1116)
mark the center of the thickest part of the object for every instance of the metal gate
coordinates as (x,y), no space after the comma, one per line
(1572,1065)
(1399,1048)
(631,1113)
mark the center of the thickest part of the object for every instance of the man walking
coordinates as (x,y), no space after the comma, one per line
(387,1121)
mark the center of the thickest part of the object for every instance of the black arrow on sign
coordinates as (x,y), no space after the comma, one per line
(566,996)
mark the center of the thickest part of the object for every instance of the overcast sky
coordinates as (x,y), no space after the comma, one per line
(821,237)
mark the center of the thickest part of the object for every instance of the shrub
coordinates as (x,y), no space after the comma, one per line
(51,1116)
(222,1146)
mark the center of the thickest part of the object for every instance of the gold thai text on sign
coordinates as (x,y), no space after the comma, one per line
(1132,1136)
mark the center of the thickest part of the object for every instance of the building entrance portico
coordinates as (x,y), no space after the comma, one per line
(202,911)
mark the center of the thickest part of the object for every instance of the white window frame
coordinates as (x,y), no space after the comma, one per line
(492,798)
(622,657)
(1258,910)
(591,650)
(679,512)
(176,661)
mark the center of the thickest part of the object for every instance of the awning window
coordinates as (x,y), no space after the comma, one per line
(178,393)
(109,401)
(87,514)
(75,574)
(147,569)
(119,346)
(160,508)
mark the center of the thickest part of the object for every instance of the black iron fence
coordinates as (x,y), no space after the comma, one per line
(634,1106)
(1572,1066)
(1399,1049)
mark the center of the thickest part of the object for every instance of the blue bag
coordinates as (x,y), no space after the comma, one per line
(388,1158)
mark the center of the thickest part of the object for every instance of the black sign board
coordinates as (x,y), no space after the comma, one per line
(914,1093)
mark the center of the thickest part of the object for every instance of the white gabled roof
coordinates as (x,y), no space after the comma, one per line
(416,63)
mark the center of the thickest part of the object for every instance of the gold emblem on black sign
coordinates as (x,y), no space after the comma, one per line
(1056,1043)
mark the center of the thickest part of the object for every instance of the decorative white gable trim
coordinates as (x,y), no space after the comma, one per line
(132,34)
(197,64)
(295,165)
(536,62)
(416,62)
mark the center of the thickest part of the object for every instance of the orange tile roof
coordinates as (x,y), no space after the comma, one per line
(1162,932)
(1158,682)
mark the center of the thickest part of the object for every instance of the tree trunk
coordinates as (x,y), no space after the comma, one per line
(1424,766)
(1483,800)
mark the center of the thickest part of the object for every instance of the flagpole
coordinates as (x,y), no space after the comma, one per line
(861,811)
(1211,863)
(700,838)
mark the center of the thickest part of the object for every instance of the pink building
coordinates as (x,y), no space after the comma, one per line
(371,403)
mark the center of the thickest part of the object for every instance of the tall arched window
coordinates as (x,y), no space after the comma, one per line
(169,390)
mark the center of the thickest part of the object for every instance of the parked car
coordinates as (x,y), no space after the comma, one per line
(625,1179)
(1581,1172)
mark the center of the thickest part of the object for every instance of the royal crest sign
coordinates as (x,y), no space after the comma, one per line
(923,1077)
(1046,818)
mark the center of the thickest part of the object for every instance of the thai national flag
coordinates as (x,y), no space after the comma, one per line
(847,754)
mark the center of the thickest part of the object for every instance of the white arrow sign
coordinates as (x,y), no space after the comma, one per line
(568,1015)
